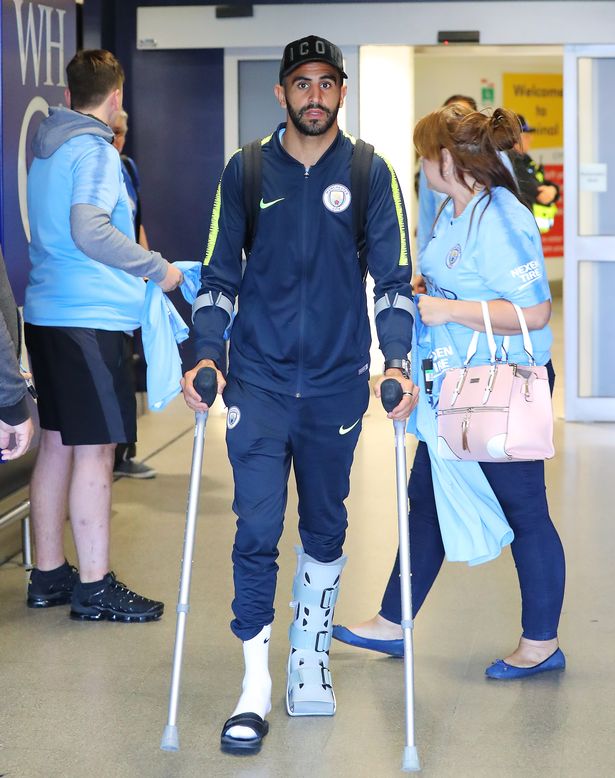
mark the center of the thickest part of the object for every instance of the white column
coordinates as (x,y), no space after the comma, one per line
(386,119)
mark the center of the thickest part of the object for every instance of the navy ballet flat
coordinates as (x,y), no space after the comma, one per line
(502,671)
(390,647)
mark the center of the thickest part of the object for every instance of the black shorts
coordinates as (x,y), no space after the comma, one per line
(84,383)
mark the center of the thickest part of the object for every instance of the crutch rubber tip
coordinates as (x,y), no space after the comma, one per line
(170,739)
(410,762)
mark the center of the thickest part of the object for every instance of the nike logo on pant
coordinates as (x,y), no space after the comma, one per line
(346,430)
(264,205)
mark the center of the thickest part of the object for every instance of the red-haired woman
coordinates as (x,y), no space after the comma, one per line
(488,250)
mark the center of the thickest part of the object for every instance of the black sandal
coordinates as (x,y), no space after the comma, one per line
(244,746)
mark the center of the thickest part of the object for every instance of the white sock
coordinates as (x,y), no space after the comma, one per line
(256,686)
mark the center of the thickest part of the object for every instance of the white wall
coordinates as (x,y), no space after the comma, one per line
(386,113)
(415,23)
(386,106)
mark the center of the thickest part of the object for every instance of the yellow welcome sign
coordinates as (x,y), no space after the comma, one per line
(539,97)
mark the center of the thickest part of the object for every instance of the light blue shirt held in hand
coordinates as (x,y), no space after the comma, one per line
(163,330)
(472,523)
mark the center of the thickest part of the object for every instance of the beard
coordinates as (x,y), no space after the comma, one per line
(312,127)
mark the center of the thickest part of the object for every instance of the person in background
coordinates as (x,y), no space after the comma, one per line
(537,192)
(126,463)
(85,292)
(15,421)
(477,256)
(119,125)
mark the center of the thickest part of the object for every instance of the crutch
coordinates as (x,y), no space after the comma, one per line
(391,395)
(205,384)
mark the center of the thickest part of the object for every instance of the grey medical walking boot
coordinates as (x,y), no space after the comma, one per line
(315,589)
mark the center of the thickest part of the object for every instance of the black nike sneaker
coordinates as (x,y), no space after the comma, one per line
(49,588)
(112,601)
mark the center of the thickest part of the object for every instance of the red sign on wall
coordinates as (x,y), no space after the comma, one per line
(553,241)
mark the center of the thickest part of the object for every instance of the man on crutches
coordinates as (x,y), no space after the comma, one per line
(297,385)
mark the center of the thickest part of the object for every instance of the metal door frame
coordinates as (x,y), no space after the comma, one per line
(578,248)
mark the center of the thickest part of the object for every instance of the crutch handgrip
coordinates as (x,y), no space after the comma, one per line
(206,384)
(390,394)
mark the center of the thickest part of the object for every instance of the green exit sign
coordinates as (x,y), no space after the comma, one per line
(487,95)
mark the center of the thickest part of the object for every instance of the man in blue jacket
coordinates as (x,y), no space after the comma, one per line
(297,385)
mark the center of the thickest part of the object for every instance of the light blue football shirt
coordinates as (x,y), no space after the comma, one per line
(66,288)
(491,251)
(429,205)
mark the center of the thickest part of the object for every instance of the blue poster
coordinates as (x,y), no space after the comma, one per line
(38,41)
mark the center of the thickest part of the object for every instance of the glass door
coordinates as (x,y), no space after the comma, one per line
(589,240)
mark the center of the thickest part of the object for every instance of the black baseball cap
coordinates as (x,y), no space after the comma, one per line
(525,127)
(312,48)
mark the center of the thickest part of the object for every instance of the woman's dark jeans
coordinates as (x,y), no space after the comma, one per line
(536,549)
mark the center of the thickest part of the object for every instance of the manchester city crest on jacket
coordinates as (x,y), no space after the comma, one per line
(336,198)
(233,417)
(453,256)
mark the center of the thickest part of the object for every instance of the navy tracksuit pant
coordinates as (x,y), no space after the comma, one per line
(266,433)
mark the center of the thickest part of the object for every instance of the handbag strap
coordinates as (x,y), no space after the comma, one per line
(473,345)
(489,331)
(527,341)
(505,348)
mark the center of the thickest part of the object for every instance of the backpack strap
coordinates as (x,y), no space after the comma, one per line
(252,157)
(360,170)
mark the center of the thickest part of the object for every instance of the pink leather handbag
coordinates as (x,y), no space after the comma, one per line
(499,412)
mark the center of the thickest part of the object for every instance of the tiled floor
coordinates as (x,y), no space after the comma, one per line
(89,700)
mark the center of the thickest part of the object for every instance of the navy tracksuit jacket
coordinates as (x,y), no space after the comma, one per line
(299,353)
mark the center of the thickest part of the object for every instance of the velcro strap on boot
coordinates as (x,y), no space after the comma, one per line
(316,676)
(318,598)
(313,641)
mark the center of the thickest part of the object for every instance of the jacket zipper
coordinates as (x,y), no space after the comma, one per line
(299,387)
